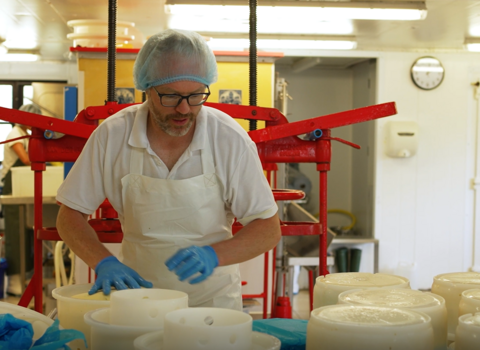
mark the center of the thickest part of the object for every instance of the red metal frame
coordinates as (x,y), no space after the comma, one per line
(277,143)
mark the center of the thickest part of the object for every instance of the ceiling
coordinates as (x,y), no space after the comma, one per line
(45,21)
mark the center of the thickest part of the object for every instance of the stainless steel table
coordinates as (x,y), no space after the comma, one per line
(357,240)
(313,261)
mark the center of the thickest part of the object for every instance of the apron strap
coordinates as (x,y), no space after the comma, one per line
(208,164)
(136,160)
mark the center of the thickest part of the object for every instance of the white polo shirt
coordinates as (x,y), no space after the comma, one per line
(105,160)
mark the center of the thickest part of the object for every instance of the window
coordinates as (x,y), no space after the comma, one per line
(14,94)
(27,94)
(6,100)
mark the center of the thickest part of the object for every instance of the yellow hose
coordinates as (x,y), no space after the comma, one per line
(345,212)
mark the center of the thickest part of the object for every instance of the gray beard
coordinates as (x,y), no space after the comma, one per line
(172,130)
(162,122)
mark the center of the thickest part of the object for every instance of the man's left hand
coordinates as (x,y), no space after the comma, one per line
(189,261)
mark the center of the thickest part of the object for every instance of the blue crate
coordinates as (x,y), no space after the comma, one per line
(291,333)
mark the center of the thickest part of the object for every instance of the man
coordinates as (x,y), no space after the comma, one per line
(15,155)
(177,173)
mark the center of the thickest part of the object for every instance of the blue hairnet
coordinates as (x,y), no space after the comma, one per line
(30,108)
(174,55)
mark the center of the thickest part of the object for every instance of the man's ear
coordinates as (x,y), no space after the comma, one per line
(147,93)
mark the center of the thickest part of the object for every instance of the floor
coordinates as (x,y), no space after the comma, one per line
(10,299)
(14,300)
(48,302)
(301,305)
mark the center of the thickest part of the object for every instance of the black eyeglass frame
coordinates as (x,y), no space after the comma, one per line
(184,97)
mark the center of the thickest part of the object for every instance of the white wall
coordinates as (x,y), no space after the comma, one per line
(363,159)
(423,204)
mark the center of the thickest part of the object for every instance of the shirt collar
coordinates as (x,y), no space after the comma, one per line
(199,137)
(138,136)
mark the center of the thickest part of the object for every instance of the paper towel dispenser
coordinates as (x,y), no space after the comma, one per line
(401,139)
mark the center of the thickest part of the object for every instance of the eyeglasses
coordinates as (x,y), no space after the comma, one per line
(174,100)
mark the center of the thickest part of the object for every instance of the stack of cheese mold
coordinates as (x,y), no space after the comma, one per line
(428,303)
(132,313)
(73,302)
(451,286)
(94,32)
(328,288)
(467,334)
(469,302)
(361,327)
(467,331)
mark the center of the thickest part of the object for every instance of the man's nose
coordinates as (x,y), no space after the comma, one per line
(183,107)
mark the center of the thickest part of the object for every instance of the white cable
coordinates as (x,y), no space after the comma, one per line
(71,280)
(57,257)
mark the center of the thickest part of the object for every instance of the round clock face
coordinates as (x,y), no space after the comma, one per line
(427,73)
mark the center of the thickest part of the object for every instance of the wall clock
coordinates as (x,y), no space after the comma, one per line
(427,73)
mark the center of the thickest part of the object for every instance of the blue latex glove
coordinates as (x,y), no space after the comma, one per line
(110,272)
(55,339)
(189,261)
(15,333)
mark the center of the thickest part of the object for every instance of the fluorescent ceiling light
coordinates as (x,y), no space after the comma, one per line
(304,10)
(267,25)
(18,57)
(305,63)
(281,44)
(473,47)
(24,38)
(21,44)
(474,31)
(472,44)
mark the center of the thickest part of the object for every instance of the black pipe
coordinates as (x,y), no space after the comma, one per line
(253,59)
(112,41)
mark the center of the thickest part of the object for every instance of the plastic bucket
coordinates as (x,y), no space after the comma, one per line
(207,328)
(145,307)
(328,288)
(467,334)
(71,311)
(431,304)
(154,341)
(355,327)
(104,335)
(451,286)
(469,302)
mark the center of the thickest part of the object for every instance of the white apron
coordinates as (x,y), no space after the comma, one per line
(161,216)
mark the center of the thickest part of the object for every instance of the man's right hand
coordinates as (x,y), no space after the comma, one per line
(111,272)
